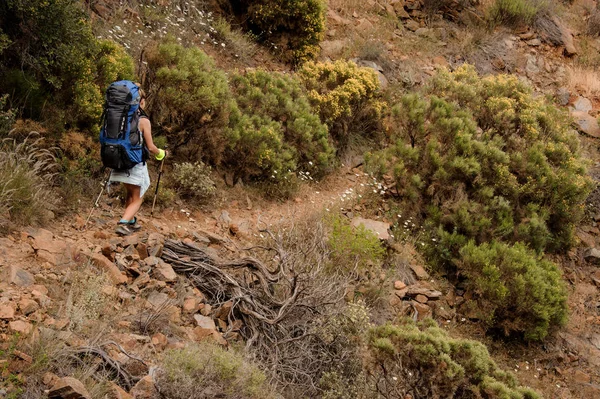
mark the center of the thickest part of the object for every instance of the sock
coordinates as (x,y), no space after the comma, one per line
(123,221)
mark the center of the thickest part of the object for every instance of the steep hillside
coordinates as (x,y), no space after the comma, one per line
(348,209)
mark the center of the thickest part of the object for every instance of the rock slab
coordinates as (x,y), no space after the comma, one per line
(380,229)
(69,388)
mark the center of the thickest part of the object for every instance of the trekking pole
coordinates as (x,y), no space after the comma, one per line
(157,184)
(97,199)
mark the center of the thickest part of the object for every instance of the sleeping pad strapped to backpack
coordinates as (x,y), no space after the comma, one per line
(122,142)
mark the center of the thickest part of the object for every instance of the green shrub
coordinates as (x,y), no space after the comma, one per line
(294,27)
(345,96)
(273,126)
(26,172)
(55,69)
(515,289)
(189,97)
(516,12)
(421,358)
(487,162)
(354,249)
(206,370)
(193,180)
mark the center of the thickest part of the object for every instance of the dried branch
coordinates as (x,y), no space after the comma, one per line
(283,303)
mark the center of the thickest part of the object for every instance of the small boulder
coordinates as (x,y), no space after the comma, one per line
(7,311)
(105,264)
(412,25)
(19,326)
(205,322)
(583,104)
(69,388)
(592,255)
(190,304)
(144,389)
(586,123)
(419,271)
(379,228)
(28,306)
(563,95)
(19,277)
(164,272)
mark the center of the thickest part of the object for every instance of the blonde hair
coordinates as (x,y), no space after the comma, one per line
(141,91)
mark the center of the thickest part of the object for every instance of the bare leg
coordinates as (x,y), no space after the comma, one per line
(133,201)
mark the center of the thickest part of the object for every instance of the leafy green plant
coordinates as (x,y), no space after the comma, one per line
(193,180)
(189,97)
(345,96)
(55,63)
(514,288)
(482,160)
(205,369)
(274,127)
(422,360)
(294,27)
(354,249)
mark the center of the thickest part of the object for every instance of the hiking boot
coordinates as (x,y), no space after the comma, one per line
(134,225)
(123,230)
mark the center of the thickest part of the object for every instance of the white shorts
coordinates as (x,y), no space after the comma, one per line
(137,176)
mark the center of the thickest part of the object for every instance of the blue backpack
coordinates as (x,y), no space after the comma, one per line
(121,140)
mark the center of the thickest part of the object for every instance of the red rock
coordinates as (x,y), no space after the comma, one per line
(164,272)
(419,271)
(23,356)
(421,298)
(415,290)
(20,326)
(224,310)
(581,378)
(586,123)
(159,340)
(144,389)
(423,310)
(401,293)
(206,309)
(17,276)
(205,322)
(7,311)
(398,285)
(103,263)
(142,250)
(190,304)
(69,388)
(27,306)
(116,392)
(49,379)
(100,235)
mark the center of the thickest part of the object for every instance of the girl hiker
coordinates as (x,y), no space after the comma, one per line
(136,178)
